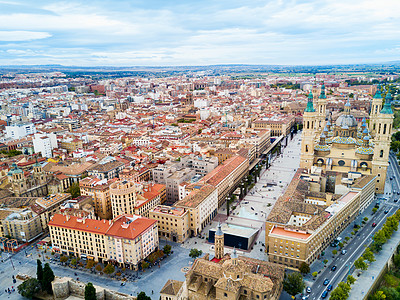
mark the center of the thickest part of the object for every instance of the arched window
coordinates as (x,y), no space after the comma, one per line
(384,128)
(306,148)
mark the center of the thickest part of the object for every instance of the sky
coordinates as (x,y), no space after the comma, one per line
(202,32)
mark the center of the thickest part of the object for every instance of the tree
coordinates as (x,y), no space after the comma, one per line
(48,277)
(347,238)
(145,265)
(90,292)
(325,261)
(304,268)
(143,296)
(74,190)
(89,264)
(379,295)
(194,253)
(374,210)
(98,267)
(360,264)
(341,245)
(350,280)
(341,292)
(396,260)
(63,258)
(29,288)
(39,271)
(293,283)
(167,249)
(334,252)
(314,274)
(365,219)
(109,269)
(368,255)
(73,262)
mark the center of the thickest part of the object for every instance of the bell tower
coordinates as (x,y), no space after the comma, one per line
(376,107)
(308,135)
(382,143)
(219,242)
(321,109)
(38,173)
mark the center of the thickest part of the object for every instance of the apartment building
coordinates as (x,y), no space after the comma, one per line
(21,224)
(227,177)
(99,190)
(277,124)
(125,240)
(201,201)
(173,222)
(305,220)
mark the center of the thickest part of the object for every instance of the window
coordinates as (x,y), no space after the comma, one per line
(225,295)
(341,163)
(381,153)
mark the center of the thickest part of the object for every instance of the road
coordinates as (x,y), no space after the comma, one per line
(355,247)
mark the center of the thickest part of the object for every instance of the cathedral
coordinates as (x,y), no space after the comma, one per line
(344,145)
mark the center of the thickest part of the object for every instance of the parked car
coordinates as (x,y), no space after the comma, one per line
(308,289)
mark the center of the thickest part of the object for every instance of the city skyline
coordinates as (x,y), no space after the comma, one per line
(156,33)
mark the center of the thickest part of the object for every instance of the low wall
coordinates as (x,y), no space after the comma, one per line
(64,287)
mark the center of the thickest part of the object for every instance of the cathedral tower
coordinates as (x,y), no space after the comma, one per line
(376,107)
(39,174)
(219,242)
(321,109)
(308,134)
(382,139)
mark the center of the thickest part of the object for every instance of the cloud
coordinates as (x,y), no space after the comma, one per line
(17,36)
(156,32)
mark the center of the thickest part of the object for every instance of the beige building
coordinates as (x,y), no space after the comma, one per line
(128,197)
(201,201)
(227,177)
(344,145)
(173,222)
(307,218)
(125,240)
(228,277)
(21,224)
(277,124)
(99,190)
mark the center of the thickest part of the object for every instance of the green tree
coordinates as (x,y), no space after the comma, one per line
(89,264)
(314,274)
(374,210)
(341,245)
(350,280)
(325,261)
(39,270)
(341,292)
(369,255)
(365,219)
(29,288)
(73,262)
(90,292)
(74,190)
(48,277)
(145,265)
(63,258)
(194,253)
(347,238)
(360,264)
(379,295)
(167,249)
(143,296)
(334,252)
(396,260)
(293,283)
(98,267)
(109,269)
(304,268)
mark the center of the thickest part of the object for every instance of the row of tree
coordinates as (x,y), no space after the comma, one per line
(342,291)
(42,282)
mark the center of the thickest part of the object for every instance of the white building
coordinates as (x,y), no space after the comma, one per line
(19,130)
(44,144)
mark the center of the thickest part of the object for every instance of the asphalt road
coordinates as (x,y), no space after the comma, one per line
(355,247)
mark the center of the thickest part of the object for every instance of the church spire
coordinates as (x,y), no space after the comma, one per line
(387,107)
(310,106)
(322,95)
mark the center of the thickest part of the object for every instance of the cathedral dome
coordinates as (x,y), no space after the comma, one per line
(344,140)
(346,120)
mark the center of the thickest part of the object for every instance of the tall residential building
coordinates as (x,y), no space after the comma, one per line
(45,144)
(344,145)
(126,240)
(19,130)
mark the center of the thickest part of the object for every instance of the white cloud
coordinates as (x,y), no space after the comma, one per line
(18,36)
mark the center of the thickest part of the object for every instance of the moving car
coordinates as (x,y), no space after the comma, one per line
(333,268)
(329,288)
(344,251)
(373,224)
(326,281)
(386,211)
(308,289)
(324,294)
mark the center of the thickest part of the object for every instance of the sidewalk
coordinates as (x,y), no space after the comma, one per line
(368,277)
